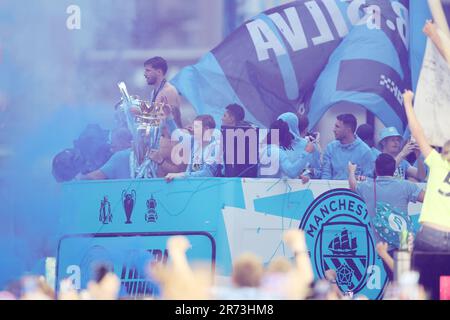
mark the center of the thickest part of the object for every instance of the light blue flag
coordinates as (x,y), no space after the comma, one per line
(269,64)
(370,68)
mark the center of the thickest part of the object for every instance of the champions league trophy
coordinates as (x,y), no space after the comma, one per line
(145,127)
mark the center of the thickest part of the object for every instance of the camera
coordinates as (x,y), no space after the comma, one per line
(312,136)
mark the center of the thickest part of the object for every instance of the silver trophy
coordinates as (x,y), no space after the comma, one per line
(144,121)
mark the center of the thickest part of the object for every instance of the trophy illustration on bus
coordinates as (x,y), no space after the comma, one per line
(128,200)
(105,215)
(151,215)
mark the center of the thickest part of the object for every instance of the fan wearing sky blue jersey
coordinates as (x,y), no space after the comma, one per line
(346,148)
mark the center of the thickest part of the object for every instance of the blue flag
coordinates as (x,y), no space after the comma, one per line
(270,64)
(370,68)
(419,14)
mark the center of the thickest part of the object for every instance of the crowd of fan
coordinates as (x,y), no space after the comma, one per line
(282,279)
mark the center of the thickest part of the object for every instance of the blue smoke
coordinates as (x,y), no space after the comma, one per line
(49,92)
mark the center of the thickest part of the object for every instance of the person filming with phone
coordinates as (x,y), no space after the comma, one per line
(391,143)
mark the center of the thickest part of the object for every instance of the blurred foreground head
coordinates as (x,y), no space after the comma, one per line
(178,281)
(247,271)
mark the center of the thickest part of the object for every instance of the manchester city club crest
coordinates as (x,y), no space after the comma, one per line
(151,215)
(128,200)
(337,232)
(346,252)
(105,215)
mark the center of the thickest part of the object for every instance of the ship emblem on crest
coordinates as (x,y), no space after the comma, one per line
(342,253)
(105,215)
(343,244)
(128,200)
(151,215)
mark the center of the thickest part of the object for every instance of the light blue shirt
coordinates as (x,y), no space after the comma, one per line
(298,150)
(395,192)
(401,172)
(312,160)
(338,155)
(391,191)
(205,162)
(276,158)
(118,166)
(375,153)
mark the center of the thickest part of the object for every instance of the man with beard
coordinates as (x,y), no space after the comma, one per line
(163,91)
(346,148)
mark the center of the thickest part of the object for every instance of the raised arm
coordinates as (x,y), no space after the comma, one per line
(439,15)
(382,250)
(418,173)
(440,40)
(367,165)
(414,125)
(295,240)
(351,176)
(293,169)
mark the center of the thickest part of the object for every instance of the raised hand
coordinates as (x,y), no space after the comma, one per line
(407,149)
(170,176)
(178,244)
(352,167)
(309,147)
(408,97)
(305,179)
(295,240)
(430,29)
(382,249)
(330,275)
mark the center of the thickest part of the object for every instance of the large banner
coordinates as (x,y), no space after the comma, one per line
(270,64)
(126,223)
(432,102)
(370,68)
